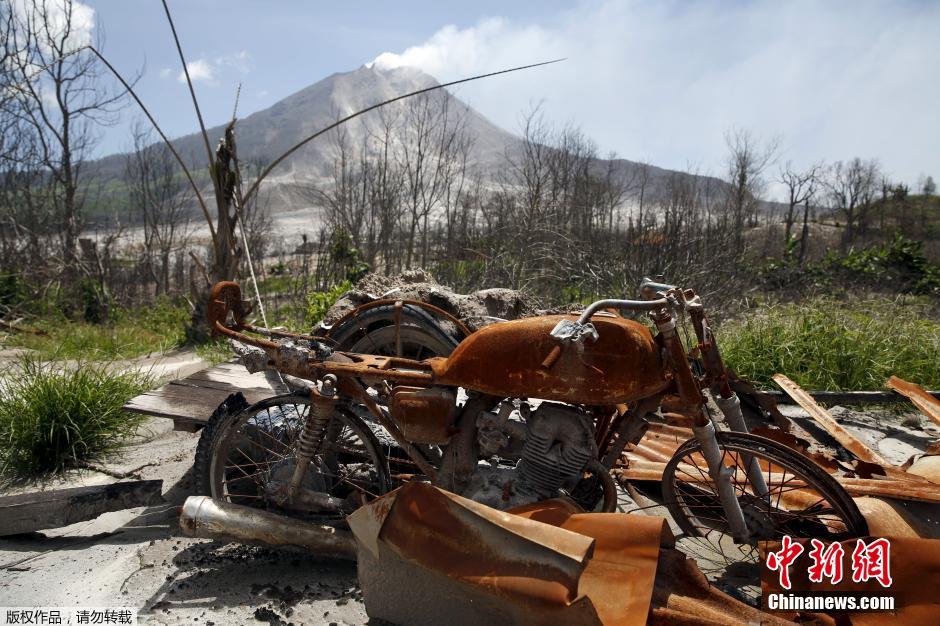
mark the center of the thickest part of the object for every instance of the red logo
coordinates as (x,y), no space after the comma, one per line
(780,561)
(871,560)
(827,562)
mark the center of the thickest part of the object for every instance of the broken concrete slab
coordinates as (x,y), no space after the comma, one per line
(60,507)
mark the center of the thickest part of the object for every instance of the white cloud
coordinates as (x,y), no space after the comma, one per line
(81,26)
(663,80)
(240,61)
(465,51)
(166,72)
(200,70)
(61,30)
(208,70)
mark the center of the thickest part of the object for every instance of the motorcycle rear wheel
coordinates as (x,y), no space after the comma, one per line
(242,454)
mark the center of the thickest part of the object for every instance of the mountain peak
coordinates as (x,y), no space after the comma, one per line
(266,134)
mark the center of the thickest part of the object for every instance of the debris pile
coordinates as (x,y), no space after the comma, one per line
(476,310)
(465,563)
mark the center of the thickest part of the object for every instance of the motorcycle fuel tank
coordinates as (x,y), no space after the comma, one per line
(505,360)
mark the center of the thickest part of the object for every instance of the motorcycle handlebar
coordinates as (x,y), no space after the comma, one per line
(649,285)
(629,305)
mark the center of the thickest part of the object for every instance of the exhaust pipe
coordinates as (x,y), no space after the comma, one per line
(212,519)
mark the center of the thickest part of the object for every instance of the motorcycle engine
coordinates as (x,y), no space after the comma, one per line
(550,447)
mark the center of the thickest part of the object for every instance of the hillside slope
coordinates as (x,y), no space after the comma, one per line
(266,134)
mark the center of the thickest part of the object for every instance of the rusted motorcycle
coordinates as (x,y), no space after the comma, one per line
(519,412)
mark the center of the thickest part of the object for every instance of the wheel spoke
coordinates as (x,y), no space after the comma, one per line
(691,495)
(260,448)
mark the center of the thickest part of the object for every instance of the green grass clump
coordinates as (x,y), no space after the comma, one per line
(53,416)
(131,333)
(215,351)
(825,344)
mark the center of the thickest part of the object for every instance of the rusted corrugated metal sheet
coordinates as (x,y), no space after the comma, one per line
(927,467)
(648,459)
(888,517)
(429,557)
(682,595)
(822,417)
(929,405)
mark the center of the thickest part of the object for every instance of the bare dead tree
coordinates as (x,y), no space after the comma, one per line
(851,188)
(362,195)
(804,233)
(26,223)
(522,212)
(161,200)
(642,187)
(801,186)
(569,196)
(748,159)
(530,169)
(61,96)
(344,198)
(255,216)
(9,122)
(385,189)
(432,140)
(615,189)
(457,185)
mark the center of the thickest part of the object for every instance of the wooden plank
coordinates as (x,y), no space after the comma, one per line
(175,401)
(61,507)
(166,404)
(230,377)
(222,371)
(231,367)
(230,386)
(822,417)
(191,400)
(847,397)
(929,405)
(187,383)
(194,409)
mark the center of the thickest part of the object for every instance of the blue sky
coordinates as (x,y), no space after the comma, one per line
(659,81)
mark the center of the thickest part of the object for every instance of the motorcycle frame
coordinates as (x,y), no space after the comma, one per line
(354,373)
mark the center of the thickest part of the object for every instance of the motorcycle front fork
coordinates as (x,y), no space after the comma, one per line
(704,429)
(723,475)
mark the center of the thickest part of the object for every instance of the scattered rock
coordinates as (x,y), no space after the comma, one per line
(265,614)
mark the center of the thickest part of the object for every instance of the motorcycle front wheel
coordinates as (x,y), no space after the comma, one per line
(802,501)
(247,456)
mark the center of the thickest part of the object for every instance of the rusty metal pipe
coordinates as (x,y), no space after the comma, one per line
(212,519)
(627,305)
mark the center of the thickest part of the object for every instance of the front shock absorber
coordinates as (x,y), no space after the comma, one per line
(702,426)
(310,441)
